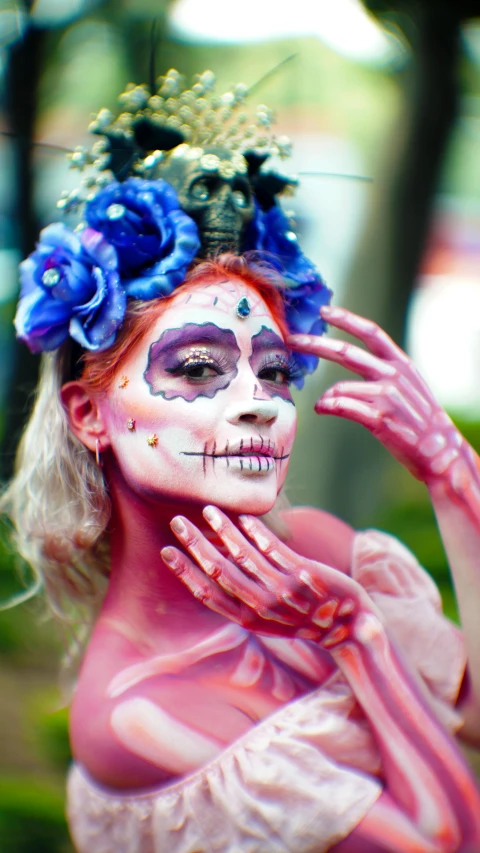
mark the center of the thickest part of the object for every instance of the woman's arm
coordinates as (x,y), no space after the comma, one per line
(386,829)
(396,405)
(460,529)
(432,799)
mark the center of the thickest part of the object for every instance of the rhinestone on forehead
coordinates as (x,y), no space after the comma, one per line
(226,297)
(243,308)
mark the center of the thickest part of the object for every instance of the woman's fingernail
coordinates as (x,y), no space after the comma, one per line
(168,554)
(178,526)
(300,340)
(211,515)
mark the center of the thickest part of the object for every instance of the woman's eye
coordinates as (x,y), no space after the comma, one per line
(200,370)
(278,375)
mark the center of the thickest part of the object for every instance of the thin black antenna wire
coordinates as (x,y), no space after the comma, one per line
(363,178)
(48,145)
(274,70)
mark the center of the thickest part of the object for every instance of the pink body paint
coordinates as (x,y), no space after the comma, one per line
(167,681)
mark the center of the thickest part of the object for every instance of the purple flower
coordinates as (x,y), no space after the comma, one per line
(270,235)
(154,239)
(70,286)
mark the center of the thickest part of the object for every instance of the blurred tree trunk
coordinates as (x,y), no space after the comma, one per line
(25,66)
(351,468)
(21,88)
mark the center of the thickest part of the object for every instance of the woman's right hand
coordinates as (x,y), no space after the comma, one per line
(264,586)
(431,803)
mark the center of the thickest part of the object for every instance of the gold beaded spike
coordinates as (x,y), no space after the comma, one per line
(152,440)
(124,380)
(194,116)
(131,424)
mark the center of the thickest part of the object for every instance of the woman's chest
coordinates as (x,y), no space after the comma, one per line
(166,715)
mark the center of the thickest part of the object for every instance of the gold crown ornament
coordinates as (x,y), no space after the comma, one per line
(204,145)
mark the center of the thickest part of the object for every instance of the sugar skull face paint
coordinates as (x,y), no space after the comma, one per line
(213,388)
(203,354)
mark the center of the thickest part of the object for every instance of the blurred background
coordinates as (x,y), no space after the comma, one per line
(382,102)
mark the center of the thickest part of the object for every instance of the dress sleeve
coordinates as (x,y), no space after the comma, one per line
(410,601)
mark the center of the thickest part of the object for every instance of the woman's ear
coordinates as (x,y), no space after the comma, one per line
(84,416)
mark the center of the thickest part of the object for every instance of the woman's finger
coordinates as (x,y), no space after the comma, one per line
(213,597)
(359,411)
(201,587)
(325,578)
(386,396)
(377,341)
(225,573)
(248,558)
(391,431)
(270,545)
(341,352)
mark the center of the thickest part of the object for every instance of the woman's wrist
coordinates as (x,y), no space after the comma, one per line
(455,474)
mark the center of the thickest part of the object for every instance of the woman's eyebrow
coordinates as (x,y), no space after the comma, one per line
(267,339)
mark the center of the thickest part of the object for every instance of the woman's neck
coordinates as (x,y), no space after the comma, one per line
(142,591)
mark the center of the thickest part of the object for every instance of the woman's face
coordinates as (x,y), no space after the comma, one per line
(201,409)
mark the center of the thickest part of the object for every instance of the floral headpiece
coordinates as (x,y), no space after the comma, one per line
(177,175)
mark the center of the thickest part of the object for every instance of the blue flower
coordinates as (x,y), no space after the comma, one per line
(70,286)
(154,239)
(305,292)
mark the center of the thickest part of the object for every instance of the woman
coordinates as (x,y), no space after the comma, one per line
(291,701)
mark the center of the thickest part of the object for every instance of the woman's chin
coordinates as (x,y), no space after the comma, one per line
(249,504)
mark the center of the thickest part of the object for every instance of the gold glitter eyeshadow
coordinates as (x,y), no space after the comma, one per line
(198,355)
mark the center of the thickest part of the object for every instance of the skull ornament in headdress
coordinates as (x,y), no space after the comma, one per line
(213,188)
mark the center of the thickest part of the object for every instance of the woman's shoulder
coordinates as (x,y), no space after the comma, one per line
(319,535)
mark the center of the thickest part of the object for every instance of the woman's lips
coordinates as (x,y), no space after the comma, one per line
(250,455)
(255,446)
(251,463)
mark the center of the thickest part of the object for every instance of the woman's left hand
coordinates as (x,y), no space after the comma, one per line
(263,585)
(396,405)
(394,402)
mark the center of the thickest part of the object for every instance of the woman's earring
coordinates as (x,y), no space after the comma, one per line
(98,453)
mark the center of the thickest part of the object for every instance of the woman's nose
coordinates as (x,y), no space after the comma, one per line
(253,411)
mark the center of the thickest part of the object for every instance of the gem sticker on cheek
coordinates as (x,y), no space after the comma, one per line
(196,360)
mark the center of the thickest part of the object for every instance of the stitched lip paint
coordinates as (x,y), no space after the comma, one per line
(253,455)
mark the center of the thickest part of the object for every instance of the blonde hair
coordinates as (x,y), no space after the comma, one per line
(58,500)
